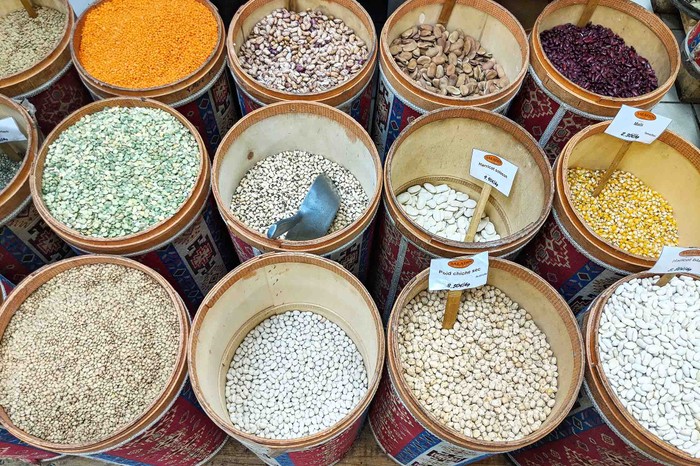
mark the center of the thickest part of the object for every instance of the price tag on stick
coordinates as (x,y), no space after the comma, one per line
(494,172)
(632,126)
(456,275)
(675,260)
(10,132)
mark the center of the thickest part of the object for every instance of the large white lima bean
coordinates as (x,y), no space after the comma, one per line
(649,345)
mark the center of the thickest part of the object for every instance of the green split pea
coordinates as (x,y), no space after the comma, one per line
(120,171)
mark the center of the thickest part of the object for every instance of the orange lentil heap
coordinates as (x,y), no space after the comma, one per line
(139,44)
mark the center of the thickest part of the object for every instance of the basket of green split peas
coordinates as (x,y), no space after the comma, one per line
(131,177)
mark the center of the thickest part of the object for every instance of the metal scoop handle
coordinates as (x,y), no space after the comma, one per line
(283,226)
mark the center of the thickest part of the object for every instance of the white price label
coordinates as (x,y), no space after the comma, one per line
(678,260)
(458,273)
(493,170)
(10,132)
(631,124)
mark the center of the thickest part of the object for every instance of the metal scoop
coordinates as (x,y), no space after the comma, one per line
(315,214)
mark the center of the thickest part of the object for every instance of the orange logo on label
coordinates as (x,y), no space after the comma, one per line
(690,253)
(642,115)
(494,159)
(460,263)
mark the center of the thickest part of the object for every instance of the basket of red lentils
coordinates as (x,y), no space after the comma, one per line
(167,50)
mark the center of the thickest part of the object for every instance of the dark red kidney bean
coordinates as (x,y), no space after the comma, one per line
(597,59)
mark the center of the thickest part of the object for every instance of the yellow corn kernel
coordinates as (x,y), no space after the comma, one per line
(627,213)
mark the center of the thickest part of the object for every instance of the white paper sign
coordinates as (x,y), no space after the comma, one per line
(632,124)
(493,170)
(458,273)
(678,260)
(9,131)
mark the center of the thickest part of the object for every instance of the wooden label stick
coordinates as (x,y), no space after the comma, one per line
(611,169)
(455,297)
(665,278)
(631,125)
(478,210)
(446,11)
(292,5)
(451,309)
(587,13)
(27,4)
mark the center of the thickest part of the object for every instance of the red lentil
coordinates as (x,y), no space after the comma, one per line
(139,44)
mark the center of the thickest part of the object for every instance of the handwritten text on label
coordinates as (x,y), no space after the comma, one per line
(493,170)
(10,132)
(678,260)
(458,274)
(631,124)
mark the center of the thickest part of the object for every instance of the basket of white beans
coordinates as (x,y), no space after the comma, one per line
(640,399)
(643,364)
(286,354)
(430,196)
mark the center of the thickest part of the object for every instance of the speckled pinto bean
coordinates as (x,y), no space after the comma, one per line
(304,52)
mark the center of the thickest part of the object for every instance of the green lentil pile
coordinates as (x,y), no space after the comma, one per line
(8,168)
(25,41)
(120,171)
(87,353)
